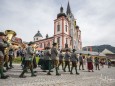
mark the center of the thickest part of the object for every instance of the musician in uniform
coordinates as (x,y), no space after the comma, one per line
(74,61)
(54,54)
(67,58)
(28,60)
(3,45)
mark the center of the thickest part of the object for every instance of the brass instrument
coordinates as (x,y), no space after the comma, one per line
(17,42)
(9,34)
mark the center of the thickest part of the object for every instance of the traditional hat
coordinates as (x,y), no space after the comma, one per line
(88,54)
(74,50)
(2,34)
(54,44)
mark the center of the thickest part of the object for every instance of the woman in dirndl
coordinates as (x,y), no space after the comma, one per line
(90,63)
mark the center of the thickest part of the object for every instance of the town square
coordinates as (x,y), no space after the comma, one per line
(57,43)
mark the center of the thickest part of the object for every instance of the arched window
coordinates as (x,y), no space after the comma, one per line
(58,27)
(70,42)
(66,28)
(36,38)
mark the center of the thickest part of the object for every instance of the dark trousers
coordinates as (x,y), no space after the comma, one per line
(60,63)
(81,64)
(1,66)
(55,65)
(97,66)
(49,66)
(67,63)
(6,62)
(10,60)
(74,65)
(28,64)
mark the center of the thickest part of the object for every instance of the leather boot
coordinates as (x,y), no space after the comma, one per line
(57,71)
(71,70)
(76,71)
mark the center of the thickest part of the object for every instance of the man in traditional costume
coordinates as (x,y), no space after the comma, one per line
(28,60)
(54,54)
(3,45)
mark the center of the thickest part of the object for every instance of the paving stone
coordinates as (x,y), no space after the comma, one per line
(104,77)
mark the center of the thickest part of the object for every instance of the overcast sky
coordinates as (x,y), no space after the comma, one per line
(96,18)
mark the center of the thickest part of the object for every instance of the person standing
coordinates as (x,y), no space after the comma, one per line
(28,60)
(102,63)
(97,63)
(54,54)
(74,61)
(109,63)
(47,58)
(41,59)
(81,62)
(23,56)
(89,63)
(3,45)
(61,56)
(11,55)
(67,62)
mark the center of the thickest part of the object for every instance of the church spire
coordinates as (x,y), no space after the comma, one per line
(68,9)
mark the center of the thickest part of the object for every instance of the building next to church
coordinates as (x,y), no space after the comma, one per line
(66,32)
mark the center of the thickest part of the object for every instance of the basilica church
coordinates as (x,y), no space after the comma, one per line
(66,32)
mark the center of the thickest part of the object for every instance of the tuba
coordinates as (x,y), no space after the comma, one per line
(9,35)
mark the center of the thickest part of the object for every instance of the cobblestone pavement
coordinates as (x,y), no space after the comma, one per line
(103,77)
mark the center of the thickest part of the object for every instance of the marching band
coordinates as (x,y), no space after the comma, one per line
(49,58)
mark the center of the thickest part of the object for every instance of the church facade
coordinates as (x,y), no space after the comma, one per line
(66,32)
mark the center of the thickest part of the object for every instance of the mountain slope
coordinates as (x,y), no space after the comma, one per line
(100,48)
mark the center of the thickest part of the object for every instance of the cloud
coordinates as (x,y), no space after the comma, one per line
(96,18)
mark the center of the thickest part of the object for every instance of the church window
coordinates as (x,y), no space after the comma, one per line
(70,42)
(44,45)
(58,27)
(66,40)
(41,45)
(36,38)
(58,40)
(66,28)
(48,44)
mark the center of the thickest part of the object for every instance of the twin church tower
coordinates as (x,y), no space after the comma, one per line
(66,32)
